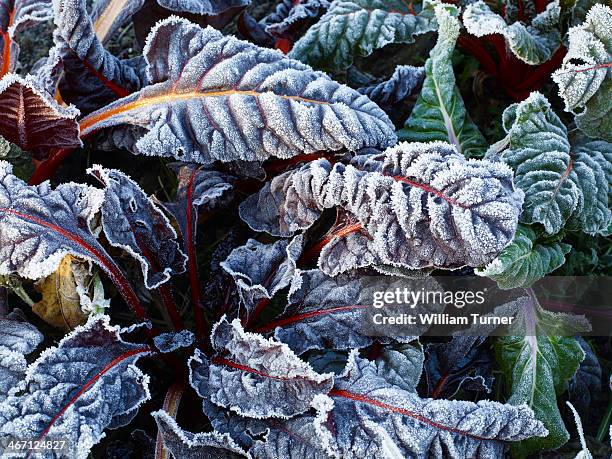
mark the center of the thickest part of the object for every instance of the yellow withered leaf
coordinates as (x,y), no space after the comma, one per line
(60,305)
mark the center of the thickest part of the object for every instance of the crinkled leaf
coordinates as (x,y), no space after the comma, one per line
(538,363)
(459,364)
(585,78)
(587,381)
(289,13)
(39,226)
(559,181)
(525,260)
(439,113)
(32,120)
(15,16)
(284,438)
(261,270)
(417,205)
(372,418)
(533,44)
(92,76)
(229,100)
(186,445)
(403,82)
(401,364)
(328,313)
(170,342)
(60,304)
(254,376)
(132,221)
(78,389)
(17,339)
(356,28)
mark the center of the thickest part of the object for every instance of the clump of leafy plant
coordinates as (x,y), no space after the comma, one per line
(219,312)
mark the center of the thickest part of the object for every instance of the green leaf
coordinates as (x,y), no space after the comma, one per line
(533,44)
(538,363)
(585,78)
(358,27)
(525,260)
(21,160)
(560,181)
(439,113)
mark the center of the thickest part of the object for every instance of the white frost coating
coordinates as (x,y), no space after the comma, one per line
(230,100)
(170,342)
(371,417)
(254,376)
(289,12)
(402,84)
(533,44)
(584,453)
(131,221)
(418,205)
(261,270)
(31,243)
(585,78)
(28,12)
(112,399)
(186,445)
(560,188)
(357,28)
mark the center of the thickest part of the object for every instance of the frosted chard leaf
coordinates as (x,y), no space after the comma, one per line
(533,44)
(75,391)
(439,113)
(15,16)
(402,84)
(17,339)
(328,313)
(358,27)
(91,75)
(538,362)
(290,13)
(585,78)
(461,363)
(560,181)
(587,381)
(417,205)
(371,418)
(261,270)
(107,16)
(525,260)
(254,376)
(199,189)
(205,7)
(132,221)
(32,120)
(40,225)
(229,100)
(186,445)
(170,342)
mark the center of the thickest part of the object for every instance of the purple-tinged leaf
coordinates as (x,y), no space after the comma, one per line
(39,226)
(186,445)
(417,205)
(32,120)
(92,76)
(587,381)
(457,364)
(132,221)
(401,364)
(402,84)
(254,31)
(170,342)
(291,13)
(254,376)
(15,16)
(198,189)
(373,418)
(229,100)
(261,270)
(74,391)
(17,339)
